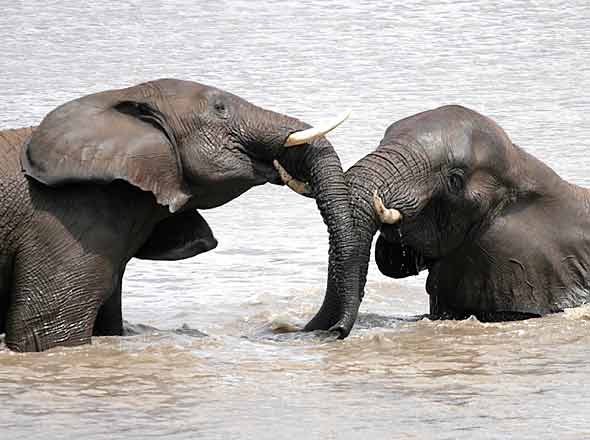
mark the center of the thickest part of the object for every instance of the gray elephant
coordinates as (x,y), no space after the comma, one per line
(501,234)
(121,174)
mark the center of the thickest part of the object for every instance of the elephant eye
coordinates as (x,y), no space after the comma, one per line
(220,108)
(456,183)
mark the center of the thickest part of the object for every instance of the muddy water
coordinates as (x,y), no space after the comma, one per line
(397,376)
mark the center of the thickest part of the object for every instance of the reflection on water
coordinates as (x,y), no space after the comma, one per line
(398,375)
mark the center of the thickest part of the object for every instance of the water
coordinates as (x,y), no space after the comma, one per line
(525,64)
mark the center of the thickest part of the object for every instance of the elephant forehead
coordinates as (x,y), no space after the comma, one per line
(489,149)
(452,133)
(439,140)
(443,143)
(441,119)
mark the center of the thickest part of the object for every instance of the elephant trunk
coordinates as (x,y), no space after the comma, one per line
(342,299)
(317,164)
(365,220)
(372,176)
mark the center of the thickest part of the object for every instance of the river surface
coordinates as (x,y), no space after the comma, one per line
(524,63)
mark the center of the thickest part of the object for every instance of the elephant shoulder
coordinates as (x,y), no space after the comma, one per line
(180,236)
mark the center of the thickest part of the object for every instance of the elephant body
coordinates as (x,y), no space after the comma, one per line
(64,250)
(501,234)
(121,174)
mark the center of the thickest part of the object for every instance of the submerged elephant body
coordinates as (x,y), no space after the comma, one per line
(120,174)
(63,260)
(501,234)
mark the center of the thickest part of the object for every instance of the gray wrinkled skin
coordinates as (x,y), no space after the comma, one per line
(120,174)
(500,233)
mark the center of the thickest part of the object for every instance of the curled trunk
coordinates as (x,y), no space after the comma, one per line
(319,165)
(368,176)
(362,188)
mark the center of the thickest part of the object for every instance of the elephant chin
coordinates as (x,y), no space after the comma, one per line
(267,173)
(397,260)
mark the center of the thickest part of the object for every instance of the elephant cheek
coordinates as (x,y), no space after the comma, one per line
(395,260)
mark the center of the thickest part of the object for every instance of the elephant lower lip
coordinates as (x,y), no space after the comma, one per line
(274,178)
(396,259)
(268,173)
(416,259)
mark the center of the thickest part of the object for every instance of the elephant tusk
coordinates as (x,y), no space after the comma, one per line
(390,216)
(296,185)
(305,136)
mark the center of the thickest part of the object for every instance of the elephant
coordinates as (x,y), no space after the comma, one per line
(121,174)
(502,236)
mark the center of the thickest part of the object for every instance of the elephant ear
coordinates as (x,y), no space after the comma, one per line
(107,136)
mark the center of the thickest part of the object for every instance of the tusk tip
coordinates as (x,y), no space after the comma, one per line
(305,136)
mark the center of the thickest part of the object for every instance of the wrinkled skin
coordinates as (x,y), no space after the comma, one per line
(121,174)
(501,234)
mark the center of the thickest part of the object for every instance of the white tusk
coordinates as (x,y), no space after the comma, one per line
(305,136)
(296,185)
(390,216)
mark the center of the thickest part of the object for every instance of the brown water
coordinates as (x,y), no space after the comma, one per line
(398,376)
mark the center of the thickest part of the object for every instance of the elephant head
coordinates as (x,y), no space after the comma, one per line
(496,228)
(194,147)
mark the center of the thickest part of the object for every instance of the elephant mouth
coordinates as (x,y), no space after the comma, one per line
(397,259)
(267,172)
(414,260)
(262,169)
